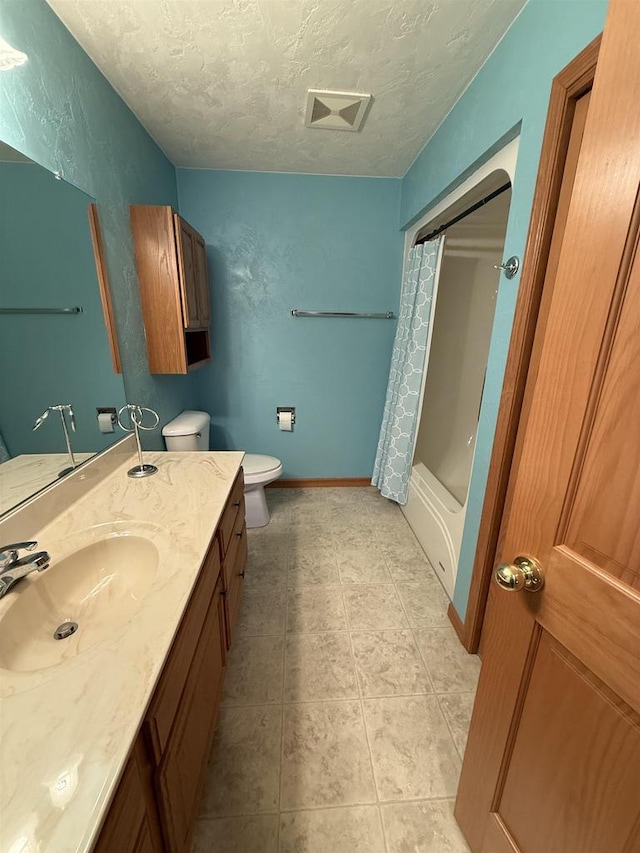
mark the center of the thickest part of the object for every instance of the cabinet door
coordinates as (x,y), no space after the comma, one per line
(180,776)
(173,684)
(202,280)
(145,841)
(186,249)
(131,825)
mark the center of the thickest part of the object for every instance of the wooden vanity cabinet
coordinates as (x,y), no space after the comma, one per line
(132,826)
(174,288)
(230,513)
(171,686)
(180,774)
(181,718)
(234,568)
(158,797)
(233,551)
(157,801)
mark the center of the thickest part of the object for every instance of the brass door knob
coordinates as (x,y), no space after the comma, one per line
(523,573)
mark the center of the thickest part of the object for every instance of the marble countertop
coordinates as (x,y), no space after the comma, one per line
(24,475)
(66,731)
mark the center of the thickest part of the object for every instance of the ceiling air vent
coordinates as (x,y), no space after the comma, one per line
(336,110)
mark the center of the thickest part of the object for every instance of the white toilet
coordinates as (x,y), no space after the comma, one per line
(258,471)
(190,431)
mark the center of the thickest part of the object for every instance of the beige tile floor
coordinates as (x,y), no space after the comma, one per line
(347,695)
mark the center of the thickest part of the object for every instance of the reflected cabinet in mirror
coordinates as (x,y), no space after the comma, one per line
(57,342)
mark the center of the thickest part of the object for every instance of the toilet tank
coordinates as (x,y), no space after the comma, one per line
(189,431)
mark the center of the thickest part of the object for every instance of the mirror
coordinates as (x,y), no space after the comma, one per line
(56,332)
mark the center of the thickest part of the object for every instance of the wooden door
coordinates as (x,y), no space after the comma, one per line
(553,759)
(201,280)
(186,250)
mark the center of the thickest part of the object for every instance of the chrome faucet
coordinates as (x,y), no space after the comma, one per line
(13,567)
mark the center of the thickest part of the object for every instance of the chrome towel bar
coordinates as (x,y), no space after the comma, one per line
(75,310)
(386,315)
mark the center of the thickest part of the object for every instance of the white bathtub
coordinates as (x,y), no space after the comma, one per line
(437,519)
(458,344)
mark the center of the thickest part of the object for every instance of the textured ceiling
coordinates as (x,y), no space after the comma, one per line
(222,83)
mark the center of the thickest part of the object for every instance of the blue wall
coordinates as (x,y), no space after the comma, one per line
(510,91)
(47,261)
(61,112)
(282,241)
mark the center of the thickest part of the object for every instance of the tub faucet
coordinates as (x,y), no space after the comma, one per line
(13,567)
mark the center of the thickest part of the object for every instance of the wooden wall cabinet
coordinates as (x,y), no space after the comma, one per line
(174,288)
(157,800)
(103,285)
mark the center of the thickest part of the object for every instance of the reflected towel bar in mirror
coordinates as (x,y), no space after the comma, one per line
(77,309)
(386,315)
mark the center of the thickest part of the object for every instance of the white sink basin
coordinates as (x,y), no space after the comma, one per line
(98,587)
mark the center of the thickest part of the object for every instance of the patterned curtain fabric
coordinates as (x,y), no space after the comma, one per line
(400,419)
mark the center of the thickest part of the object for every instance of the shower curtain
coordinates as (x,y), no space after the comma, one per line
(400,418)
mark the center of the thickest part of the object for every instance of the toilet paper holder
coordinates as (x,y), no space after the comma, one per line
(103,426)
(281,409)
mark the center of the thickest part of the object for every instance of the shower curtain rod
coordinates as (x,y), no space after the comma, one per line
(464,214)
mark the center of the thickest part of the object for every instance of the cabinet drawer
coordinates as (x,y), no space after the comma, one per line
(234,567)
(233,505)
(237,580)
(238,538)
(166,699)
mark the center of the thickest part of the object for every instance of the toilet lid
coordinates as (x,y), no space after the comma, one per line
(254,463)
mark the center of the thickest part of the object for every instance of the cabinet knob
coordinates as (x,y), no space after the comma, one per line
(237,503)
(241,574)
(239,535)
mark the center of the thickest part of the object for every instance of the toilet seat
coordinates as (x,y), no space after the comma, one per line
(260,469)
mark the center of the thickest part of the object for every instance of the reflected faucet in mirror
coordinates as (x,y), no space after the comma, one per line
(62,408)
(13,567)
